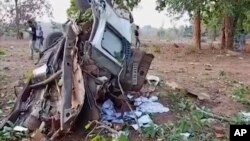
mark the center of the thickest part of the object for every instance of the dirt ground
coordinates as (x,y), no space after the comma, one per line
(208,71)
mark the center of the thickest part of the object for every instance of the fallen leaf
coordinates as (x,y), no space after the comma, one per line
(218,135)
(219,131)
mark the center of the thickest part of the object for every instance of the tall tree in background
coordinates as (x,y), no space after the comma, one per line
(19,11)
(194,9)
(232,14)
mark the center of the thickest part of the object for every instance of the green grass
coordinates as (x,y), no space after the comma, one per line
(190,120)
(28,74)
(8,134)
(2,52)
(240,94)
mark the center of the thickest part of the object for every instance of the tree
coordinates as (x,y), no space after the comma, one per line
(230,16)
(19,11)
(73,10)
(194,9)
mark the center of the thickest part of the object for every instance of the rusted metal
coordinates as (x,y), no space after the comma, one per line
(77,76)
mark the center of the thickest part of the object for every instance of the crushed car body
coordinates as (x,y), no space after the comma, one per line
(90,62)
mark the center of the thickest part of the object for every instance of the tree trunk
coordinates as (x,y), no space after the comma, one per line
(197,30)
(229,31)
(17,20)
(214,34)
(223,40)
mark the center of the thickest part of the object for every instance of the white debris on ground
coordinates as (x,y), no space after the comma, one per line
(143,107)
(153,80)
(245,116)
(185,136)
(20,129)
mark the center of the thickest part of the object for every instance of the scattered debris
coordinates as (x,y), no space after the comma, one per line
(185,136)
(20,129)
(148,106)
(153,80)
(246,116)
(212,115)
(143,107)
(208,66)
(76,74)
(219,131)
(200,95)
(193,63)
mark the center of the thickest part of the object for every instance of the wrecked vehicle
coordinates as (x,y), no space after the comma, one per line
(78,70)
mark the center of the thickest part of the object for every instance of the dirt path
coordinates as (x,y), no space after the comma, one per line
(15,65)
(209,71)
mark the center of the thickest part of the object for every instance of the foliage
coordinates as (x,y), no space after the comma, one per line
(182,6)
(127,4)
(28,74)
(8,134)
(16,14)
(240,94)
(2,52)
(190,121)
(240,119)
(151,131)
(74,12)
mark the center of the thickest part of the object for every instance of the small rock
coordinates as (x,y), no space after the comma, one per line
(118,126)
(200,96)
(173,85)
(18,83)
(208,68)
(2,95)
(208,65)
(203,96)
(219,131)
(233,53)
(6,68)
(193,63)
(219,55)
(241,58)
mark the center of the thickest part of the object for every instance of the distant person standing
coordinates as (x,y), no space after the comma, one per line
(137,42)
(241,39)
(33,37)
(40,37)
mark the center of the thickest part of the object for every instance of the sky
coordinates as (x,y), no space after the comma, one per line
(144,14)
